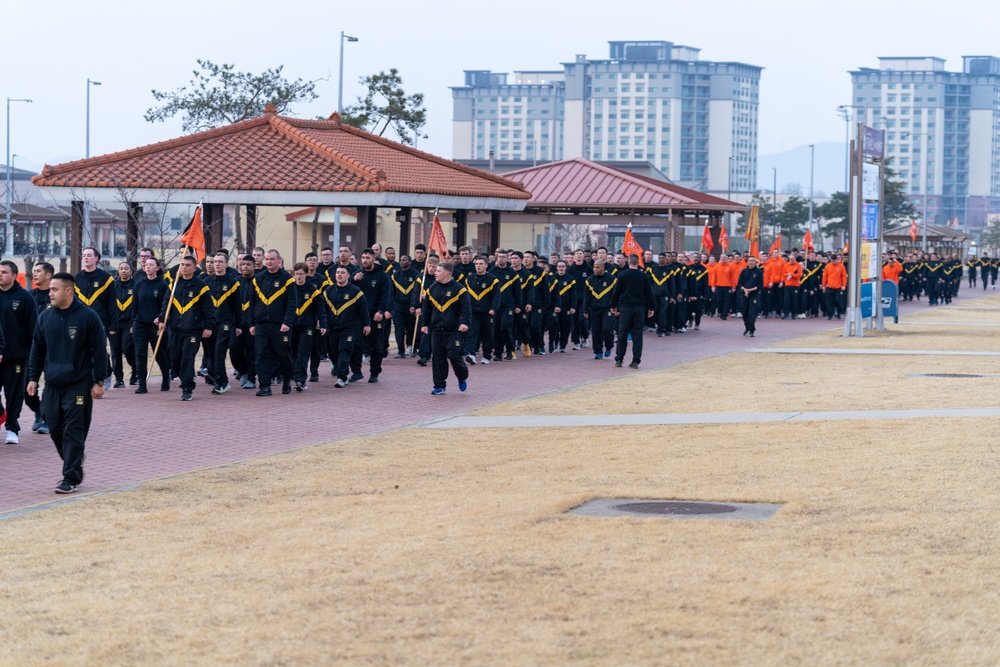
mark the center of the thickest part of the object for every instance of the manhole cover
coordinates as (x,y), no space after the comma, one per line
(947,375)
(664,507)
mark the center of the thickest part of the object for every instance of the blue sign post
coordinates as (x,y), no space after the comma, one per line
(869,221)
(890,300)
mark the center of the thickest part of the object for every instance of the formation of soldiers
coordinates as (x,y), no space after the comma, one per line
(267,326)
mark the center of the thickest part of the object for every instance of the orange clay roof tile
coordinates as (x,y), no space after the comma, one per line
(273,152)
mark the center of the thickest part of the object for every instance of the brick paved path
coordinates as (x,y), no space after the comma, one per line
(135,438)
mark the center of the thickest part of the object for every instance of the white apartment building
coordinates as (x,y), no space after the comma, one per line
(654,101)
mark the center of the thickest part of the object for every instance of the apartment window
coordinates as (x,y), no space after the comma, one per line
(598,89)
(504,110)
(626,88)
(625,75)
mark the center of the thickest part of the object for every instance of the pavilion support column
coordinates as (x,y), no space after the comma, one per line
(405,220)
(359,240)
(132,233)
(366,229)
(461,228)
(494,230)
(371,224)
(213,227)
(75,236)
(251,235)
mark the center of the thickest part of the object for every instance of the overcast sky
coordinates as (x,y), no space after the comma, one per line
(131,47)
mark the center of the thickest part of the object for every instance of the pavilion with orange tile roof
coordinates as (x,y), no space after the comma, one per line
(276,160)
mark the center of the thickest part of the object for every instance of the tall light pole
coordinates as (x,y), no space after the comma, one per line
(812,173)
(774,202)
(340,85)
(845,112)
(340,111)
(923,243)
(86,204)
(729,197)
(8,226)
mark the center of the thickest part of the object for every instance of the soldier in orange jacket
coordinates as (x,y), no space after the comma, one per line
(834,288)
(725,281)
(792,280)
(892,269)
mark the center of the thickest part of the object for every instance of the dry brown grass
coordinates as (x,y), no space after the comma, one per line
(451,547)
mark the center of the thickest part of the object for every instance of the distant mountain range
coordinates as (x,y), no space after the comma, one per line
(793,170)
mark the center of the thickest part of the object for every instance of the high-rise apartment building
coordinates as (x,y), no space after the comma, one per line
(942,132)
(652,101)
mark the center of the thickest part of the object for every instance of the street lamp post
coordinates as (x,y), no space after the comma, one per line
(774,202)
(87,232)
(8,226)
(729,197)
(923,242)
(340,111)
(812,172)
(340,86)
(845,113)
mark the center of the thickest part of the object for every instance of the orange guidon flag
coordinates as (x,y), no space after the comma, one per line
(913,230)
(437,241)
(706,239)
(194,235)
(777,243)
(807,241)
(753,231)
(724,239)
(631,246)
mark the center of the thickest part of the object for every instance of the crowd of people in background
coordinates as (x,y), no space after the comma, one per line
(254,320)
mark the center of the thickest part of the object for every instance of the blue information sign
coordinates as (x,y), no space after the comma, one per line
(869,221)
(890,300)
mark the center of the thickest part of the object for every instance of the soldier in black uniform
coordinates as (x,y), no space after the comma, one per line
(224,286)
(150,291)
(659,274)
(272,314)
(70,348)
(934,279)
(41,277)
(121,341)
(597,309)
(510,306)
(191,318)
(484,295)
(347,320)
(403,278)
(17,318)
(748,288)
(539,297)
(445,317)
(243,354)
(95,289)
(632,303)
(378,295)
(579,269)
(551,305)
(310,324)
(522,324)
(422,349)
(811,275)
(565,291)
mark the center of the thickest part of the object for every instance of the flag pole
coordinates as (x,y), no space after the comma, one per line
(420,302)
(166,316)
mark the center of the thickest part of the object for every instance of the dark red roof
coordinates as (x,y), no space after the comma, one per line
(274,152)
(581,183)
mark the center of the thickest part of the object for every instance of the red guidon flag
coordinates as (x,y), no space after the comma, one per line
(194,235)
(724,239)
(632,247)
(437,241)
(913,230)
(706,239)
